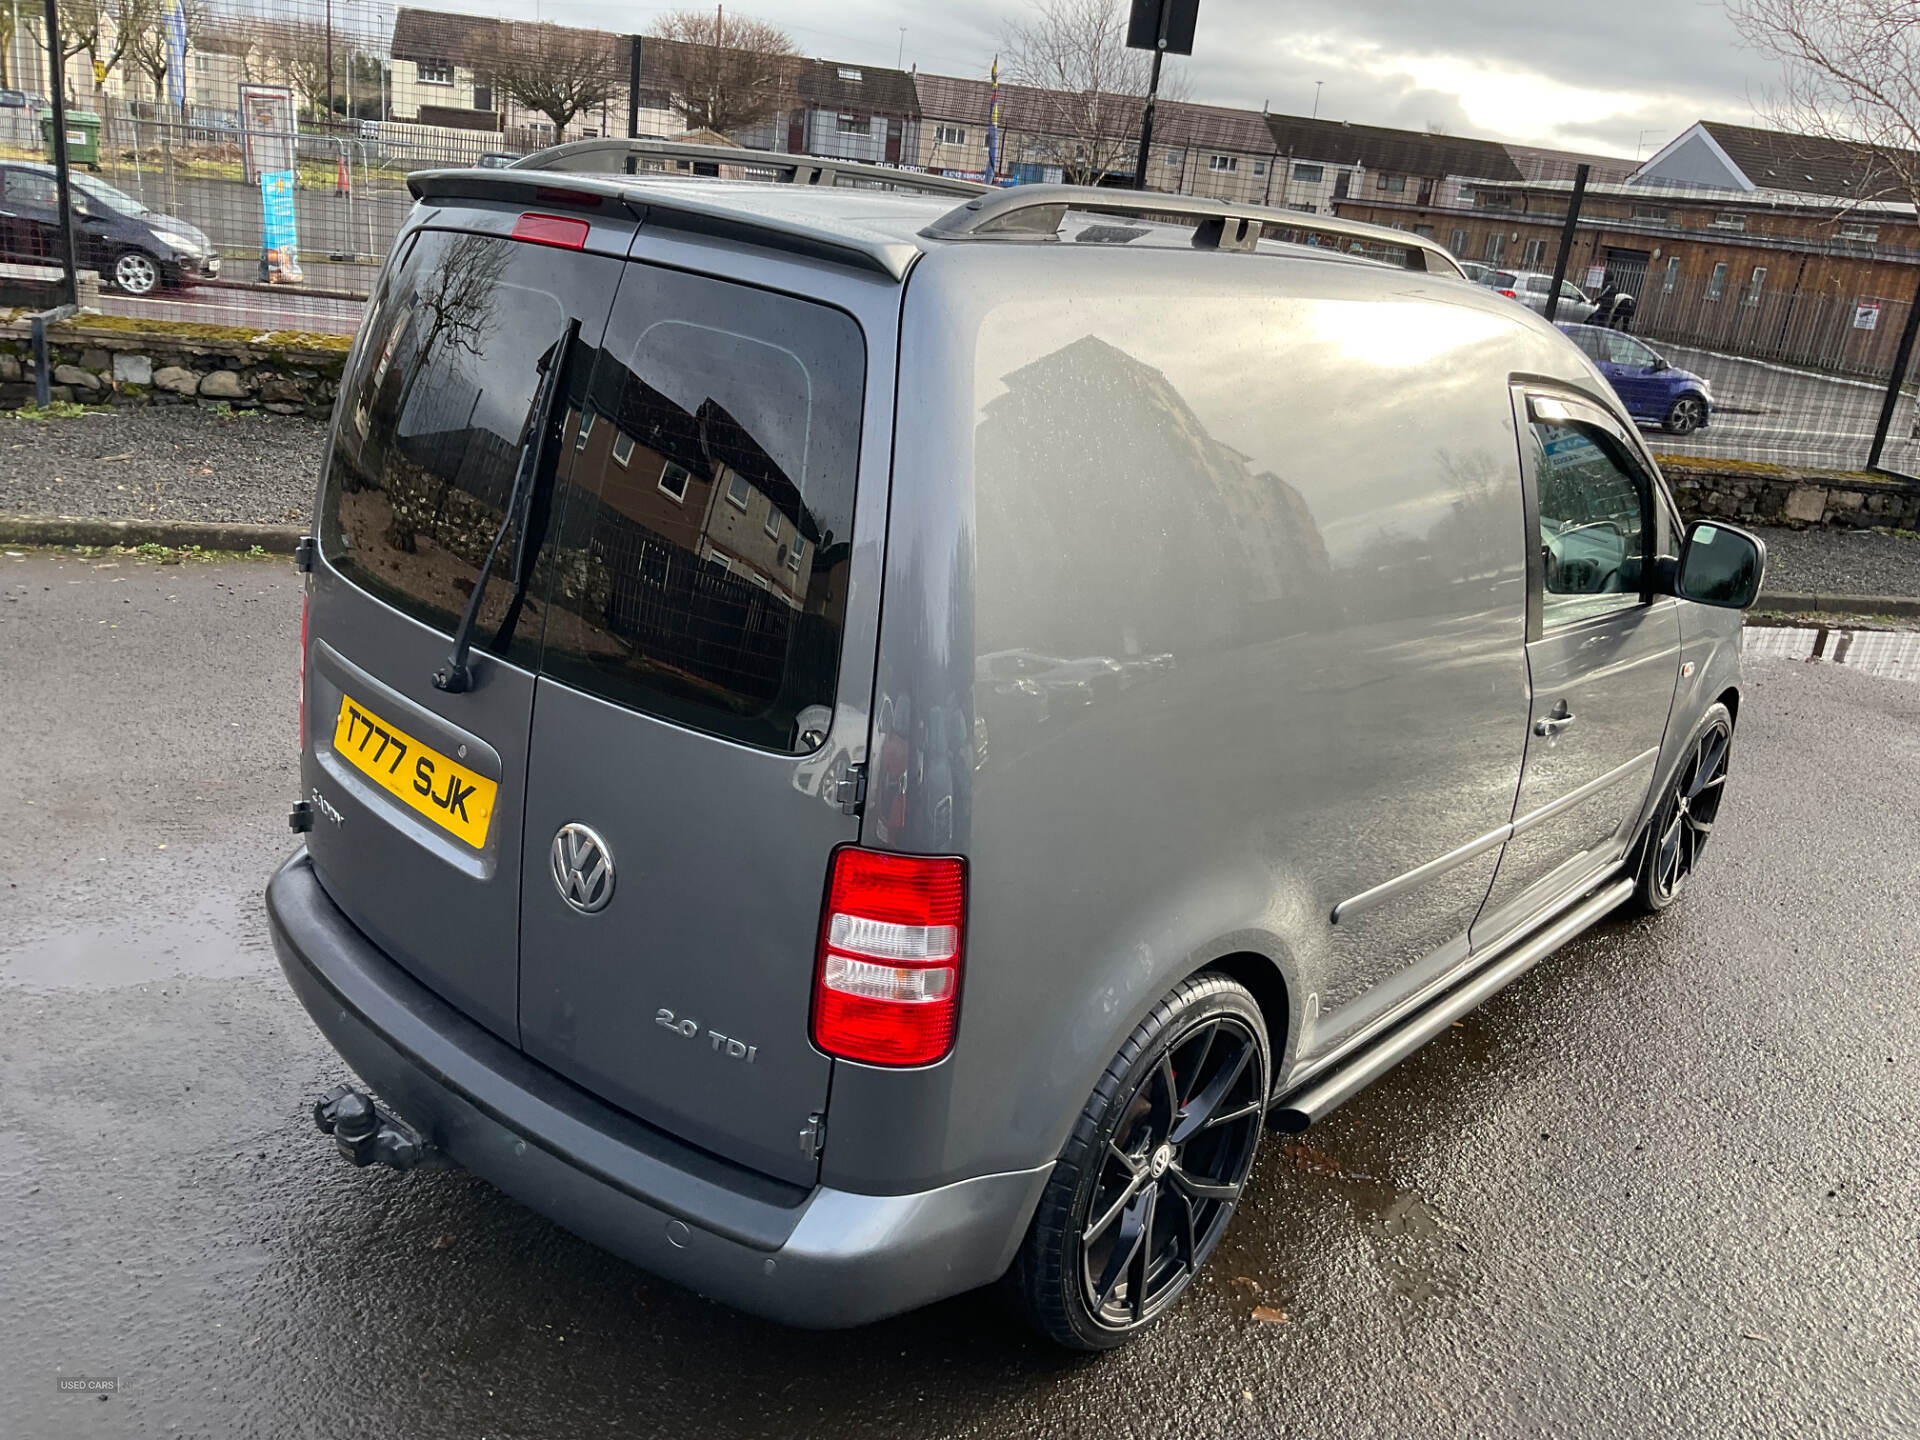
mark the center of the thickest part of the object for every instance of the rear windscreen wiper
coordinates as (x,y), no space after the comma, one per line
(455,675)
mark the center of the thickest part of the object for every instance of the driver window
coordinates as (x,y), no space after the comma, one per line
(1625,350)
(1593,523)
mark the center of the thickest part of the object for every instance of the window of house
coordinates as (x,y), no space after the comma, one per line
(622,449)
(1394,183)
(1867,234)
(1650,214)
(1492,200)
(1756,283)
(587,418)
(674,477)
(794,554)
(1536,253)
(1175,158)
(1259,167)
(1309,174)
(1223,162)
(851,124)
(725,565)
(1729,220)
(1671,280)
(1459,243)
(1717,284)
(739,490)
(953,135)
(1424,231)
(772,522)
(200,61)
(1304,209)
(1496,247)
(1594,524)
(434,72)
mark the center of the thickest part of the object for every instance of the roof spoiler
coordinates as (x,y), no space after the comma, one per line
(1034,212)
(658,204)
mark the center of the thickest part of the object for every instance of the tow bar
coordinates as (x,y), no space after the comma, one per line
(369,1135)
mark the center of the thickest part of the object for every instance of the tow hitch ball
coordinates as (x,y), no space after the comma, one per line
(366,1134)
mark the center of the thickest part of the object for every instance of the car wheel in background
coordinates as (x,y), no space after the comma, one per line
(136,273)
(1152,1172)
(1674,841)
(1685,415)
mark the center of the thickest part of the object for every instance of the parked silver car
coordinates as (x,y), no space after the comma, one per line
(674,542)
(1532,287)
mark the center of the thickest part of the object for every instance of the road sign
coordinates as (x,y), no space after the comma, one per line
(267,130)
(1866,315)
(1596,276)
(1144,25)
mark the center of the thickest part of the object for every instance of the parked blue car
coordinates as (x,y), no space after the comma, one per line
(1654,391)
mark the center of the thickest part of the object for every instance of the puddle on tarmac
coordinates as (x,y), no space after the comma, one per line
(212,941)
(1420,1254)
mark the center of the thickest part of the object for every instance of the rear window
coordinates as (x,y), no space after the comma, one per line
(702,555)
(431,425)
(686,546)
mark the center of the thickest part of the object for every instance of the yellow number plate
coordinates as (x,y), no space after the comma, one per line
(450,795)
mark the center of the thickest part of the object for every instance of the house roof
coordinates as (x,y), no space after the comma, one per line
(438,35)
(1538,164)
(830,85)
(1407,152)
(1808,164)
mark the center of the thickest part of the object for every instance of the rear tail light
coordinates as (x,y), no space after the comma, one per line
(305,602)
(558,230)
(886,984)
(1509,294)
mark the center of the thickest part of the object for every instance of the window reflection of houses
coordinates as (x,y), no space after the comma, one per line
(700,482)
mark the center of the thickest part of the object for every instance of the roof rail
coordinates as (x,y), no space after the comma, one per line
(614,156)
(1034,212)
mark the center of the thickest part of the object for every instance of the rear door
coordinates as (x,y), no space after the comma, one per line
(702,691)
(418,792)
(1603,657)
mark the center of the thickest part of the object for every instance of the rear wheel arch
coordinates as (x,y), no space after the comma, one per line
(1268,982)
(1730,697)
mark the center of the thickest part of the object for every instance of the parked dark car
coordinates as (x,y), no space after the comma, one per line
(135,249)
(1654,390)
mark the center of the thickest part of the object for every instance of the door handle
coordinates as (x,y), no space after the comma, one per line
(1550,725)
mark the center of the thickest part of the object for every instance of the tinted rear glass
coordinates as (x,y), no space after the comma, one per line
(432,423)
(700,564)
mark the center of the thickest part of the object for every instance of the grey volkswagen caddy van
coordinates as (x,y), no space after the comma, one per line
(862,742)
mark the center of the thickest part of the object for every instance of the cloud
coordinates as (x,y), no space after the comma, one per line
(1618,77)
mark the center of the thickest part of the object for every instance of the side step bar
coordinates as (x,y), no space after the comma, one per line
(1295,1112)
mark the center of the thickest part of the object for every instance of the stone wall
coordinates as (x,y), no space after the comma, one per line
(1761,496)
(100,364)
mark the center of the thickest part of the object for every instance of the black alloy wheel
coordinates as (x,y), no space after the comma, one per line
(1154,1169)
(1684,822)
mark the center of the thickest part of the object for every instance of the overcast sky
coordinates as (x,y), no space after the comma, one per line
(1612,77)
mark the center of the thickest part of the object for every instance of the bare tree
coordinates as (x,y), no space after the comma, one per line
(721,74)
(556,70)
(1089,87)
(150,49)
(295,52)
(1850,72)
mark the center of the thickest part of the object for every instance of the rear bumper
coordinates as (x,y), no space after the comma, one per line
(820,1257)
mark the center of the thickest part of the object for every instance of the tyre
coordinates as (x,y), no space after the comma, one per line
(1686,415)
(1684,820)
(1152,1172)
(136,273)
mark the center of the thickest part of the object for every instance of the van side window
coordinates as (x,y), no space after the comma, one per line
(1594,523)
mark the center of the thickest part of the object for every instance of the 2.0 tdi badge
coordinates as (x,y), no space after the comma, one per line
(582,868)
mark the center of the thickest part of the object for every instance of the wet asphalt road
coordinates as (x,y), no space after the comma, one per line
(1668,1184)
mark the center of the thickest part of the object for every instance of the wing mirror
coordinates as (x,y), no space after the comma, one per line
(1719,565)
